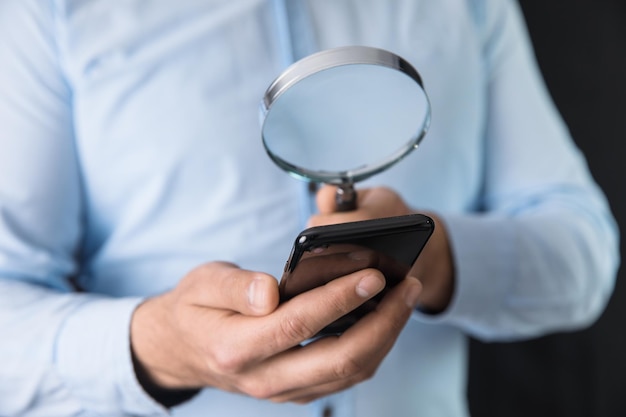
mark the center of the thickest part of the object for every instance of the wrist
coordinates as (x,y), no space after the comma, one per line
(435,270)
(156,360)
(168,397)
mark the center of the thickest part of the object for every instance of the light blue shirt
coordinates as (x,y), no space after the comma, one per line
(130,152)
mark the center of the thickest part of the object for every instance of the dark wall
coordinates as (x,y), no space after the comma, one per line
(581,49)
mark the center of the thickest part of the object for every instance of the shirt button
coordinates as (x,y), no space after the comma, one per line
(328,411)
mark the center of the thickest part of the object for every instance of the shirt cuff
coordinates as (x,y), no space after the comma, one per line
(93,357)
(483,249)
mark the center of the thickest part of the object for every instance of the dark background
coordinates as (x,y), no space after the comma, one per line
(581,49)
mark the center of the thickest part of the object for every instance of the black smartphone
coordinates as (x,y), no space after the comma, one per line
(323,253)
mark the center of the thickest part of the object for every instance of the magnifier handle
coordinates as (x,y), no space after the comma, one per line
(345,198)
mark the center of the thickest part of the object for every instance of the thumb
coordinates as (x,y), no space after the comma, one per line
(223,285)
(325,199)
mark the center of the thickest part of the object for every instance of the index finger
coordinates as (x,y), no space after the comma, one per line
(332,364)
(302,317)
(325,199)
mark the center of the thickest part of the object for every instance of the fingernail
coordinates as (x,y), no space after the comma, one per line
(412,294)
(369,285)
(254,297)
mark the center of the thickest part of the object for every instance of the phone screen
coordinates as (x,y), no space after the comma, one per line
(321,254)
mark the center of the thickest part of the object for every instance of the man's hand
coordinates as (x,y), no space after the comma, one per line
(223,327)
(434,268)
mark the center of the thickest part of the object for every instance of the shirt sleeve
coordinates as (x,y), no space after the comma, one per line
(542,254)
(61,352)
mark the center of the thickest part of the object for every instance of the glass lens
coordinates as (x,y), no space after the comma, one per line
(346,122)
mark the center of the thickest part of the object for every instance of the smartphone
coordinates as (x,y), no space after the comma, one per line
(323,253)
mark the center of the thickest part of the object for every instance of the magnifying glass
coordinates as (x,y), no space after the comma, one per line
(342,115)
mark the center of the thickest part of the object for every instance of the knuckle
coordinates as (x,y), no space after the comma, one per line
(257,389)
(339,303)
(295,328)
(354,371)
(368,373)
(228,361)
(348,368)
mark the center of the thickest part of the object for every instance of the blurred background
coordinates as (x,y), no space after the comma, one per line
(581,48)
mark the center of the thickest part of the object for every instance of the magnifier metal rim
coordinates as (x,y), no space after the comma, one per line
(327,59)
(336,57)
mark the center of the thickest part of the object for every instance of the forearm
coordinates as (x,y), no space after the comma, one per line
(67,352)
(523,276)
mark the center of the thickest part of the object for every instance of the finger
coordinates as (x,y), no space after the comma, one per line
(223,285)
(302,317)
(327,208)
(319,268)
(385,323)
(325,199)
(335,363)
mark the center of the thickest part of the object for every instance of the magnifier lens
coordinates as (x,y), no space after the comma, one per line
(342,115)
